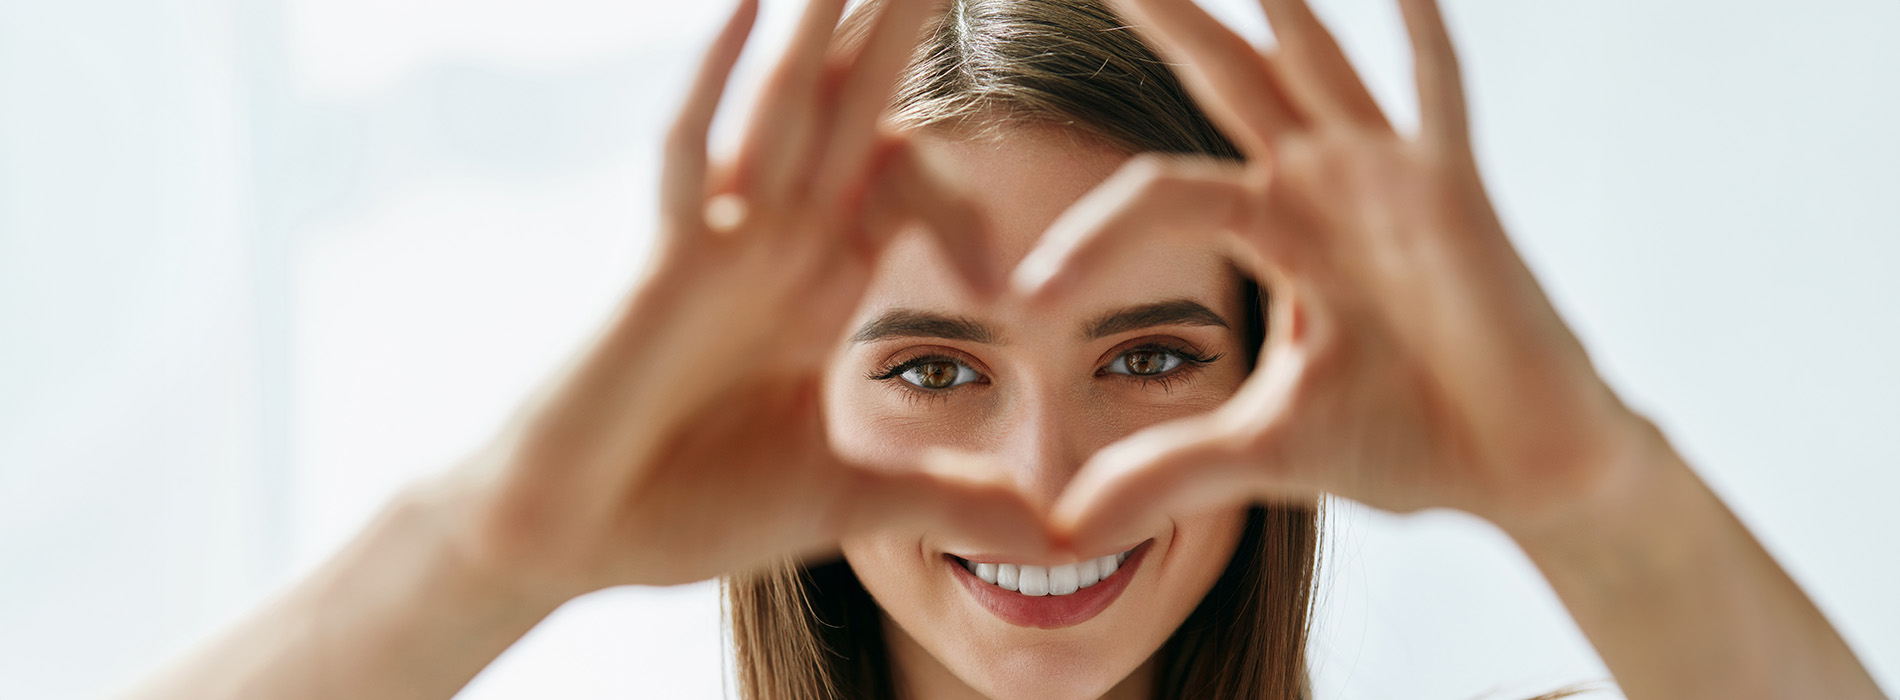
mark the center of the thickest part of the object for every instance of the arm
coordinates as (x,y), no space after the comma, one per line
(1679,598)
(684,442)
(396,614)
(1413,362)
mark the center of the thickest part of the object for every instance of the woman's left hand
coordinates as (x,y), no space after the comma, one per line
(1411,359)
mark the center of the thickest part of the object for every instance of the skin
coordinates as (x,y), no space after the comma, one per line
(1414,363)
(1042,405)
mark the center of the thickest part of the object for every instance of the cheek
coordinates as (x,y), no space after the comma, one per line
(914,595)
(849,406)
(867,423)
(886,563)
(1204,544)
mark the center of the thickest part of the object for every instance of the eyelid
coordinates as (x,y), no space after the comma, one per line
(919,354)
(1189,353)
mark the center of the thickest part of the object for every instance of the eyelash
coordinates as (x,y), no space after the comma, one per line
(1192,361)
(890,372)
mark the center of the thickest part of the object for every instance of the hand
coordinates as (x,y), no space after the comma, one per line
(1411,359)
(686,441)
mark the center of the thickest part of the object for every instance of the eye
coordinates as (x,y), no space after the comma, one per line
(936,373)
(1146,362)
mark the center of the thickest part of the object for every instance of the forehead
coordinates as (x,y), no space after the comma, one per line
(1023,179)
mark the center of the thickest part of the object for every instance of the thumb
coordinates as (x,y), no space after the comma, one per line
(941,498)
(1129,487)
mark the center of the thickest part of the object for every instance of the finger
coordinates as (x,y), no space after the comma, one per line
(880,59)
(1318,74)
(907,192)
(1152,200)
(781,130)
(993,515)
(1223,71)
(1441,91)
(683,186)
(1131,488)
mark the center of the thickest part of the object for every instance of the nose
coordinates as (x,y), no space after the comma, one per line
(1043,442)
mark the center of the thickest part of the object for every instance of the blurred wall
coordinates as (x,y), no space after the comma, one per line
(262,261)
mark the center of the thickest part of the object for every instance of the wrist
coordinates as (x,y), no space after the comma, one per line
(1635,477)
(1676,595)
(1649,514)
(469,543)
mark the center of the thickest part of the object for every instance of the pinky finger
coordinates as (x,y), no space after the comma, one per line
(683,184)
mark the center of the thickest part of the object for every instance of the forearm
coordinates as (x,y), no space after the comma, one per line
(397,614)
(1682,602)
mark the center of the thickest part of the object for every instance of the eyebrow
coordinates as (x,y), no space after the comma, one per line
(911,323)
(1173,312)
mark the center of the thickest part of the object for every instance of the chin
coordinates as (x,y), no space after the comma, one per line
(1050,672)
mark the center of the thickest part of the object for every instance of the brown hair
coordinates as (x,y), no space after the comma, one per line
(985,66)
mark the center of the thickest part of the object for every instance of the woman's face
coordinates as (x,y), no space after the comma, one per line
(1036,393)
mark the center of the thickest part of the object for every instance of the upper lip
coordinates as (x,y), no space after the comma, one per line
(1003,559)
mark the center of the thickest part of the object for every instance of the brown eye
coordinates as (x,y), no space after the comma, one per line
(1145,363)
(938,374)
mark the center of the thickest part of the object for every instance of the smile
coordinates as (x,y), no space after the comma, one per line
(1047,597)
(1047,580)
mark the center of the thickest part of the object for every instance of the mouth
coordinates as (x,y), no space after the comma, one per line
(1048,597)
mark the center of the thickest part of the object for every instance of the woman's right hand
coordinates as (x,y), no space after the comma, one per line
(686,441)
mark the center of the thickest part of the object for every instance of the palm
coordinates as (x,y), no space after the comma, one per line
(760,452)
(1432,365)
(686,441)
(1412,361)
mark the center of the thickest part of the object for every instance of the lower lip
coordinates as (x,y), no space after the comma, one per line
(1049,611)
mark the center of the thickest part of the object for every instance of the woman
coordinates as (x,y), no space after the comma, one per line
(1094,475)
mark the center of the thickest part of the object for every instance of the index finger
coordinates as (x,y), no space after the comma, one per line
(880,58)
(905,192)
(1222,70)
(1151,197)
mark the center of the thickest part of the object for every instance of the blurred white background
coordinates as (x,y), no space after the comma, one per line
(262,261)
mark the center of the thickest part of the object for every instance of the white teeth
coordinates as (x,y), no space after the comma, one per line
(1034,581)
(987,572)
(1048,580)
(1087,573)
(1064,580)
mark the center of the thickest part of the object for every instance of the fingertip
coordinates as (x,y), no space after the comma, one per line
(1011,522)
(1028,280)
(984,283)
(1065,530)
(974,262)
(739,26)
(1038,280)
